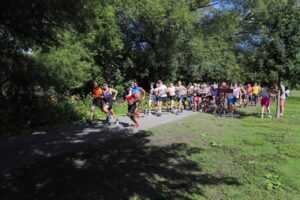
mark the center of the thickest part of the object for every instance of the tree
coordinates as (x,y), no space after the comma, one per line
(272,35)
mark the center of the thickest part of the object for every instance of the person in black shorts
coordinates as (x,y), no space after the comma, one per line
(131,107)
(108,100)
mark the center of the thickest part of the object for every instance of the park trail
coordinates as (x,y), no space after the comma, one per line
(17,152)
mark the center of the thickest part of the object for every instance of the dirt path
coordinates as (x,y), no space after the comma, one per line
(18,151)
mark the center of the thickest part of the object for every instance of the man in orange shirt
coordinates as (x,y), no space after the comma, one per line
(97,100)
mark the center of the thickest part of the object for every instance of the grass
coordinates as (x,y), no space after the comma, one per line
(201,157)
(262,154)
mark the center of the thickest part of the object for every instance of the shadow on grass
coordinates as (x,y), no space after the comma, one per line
(118,168)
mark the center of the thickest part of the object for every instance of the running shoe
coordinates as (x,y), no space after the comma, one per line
(136,125)
(262,116)
(117,122)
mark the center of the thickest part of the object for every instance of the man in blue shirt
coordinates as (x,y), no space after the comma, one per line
(137,91)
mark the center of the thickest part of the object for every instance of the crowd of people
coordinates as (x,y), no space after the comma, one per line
(215,98)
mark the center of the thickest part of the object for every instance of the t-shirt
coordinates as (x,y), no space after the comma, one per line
(171,91)
(137,92)
(236,92)
(152,93)
(179,90)
(282,92)
(264,93)
(249,91)
(255,90)
(97,92)
(162,91)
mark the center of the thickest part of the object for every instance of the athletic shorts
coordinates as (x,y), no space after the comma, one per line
(172,97)
(163,99)
(265,102)
(190,98)
(131,108)
(282,101)
(230,101)
(209,97)
(250,98)
(180,98)
(108,105)
(255,97)
(196,98)
(97,103)
(152,99)
(138,101)
(243,96)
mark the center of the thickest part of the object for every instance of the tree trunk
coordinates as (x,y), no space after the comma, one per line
(278,96)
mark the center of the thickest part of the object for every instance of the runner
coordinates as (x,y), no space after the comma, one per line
(137,93)
(97,95)
(131,107)
(282,99)
(196,97)
(152,98)
(190,92)
(243,93)
(230,101)
(172,95)
(265,101)
(162,96)
(255,92)
(180,92)
(237,94)
(249,94)
(109,101)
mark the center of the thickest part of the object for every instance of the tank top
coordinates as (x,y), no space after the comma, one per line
(171,91)
(107,96)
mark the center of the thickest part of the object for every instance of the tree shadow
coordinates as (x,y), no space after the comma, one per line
(119,168)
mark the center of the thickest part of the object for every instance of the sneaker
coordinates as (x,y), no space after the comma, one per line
(262,116)
(117,122)
(269,116)
(136,125)
(89,122)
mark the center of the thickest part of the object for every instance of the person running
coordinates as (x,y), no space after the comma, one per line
(216,91)
(162,96)
(137,93)
(152,98)
(243,93)
(180,92)
(109,96)
(190,92)
(237,94)
(249,93)
(265,102)
(282,99)
(196,97)
(255,92)
(97,95)
(131,107)
(172,95)
(230,101)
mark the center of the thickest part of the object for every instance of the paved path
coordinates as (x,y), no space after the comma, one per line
(18,151)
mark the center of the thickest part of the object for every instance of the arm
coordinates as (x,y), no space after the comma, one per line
(115,93)
(144,93)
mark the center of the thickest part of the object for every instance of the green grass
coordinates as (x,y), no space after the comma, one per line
(201,157)
(262,154)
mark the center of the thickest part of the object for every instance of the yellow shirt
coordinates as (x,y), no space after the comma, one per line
(255,90)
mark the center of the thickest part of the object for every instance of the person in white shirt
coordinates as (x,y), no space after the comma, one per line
(162,96)
(172,95)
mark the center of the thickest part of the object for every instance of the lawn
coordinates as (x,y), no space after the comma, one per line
(201,157)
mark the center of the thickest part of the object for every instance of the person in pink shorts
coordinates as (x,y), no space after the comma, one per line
(282,99)
(265,102)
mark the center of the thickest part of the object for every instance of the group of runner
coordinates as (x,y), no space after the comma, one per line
(203,97)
